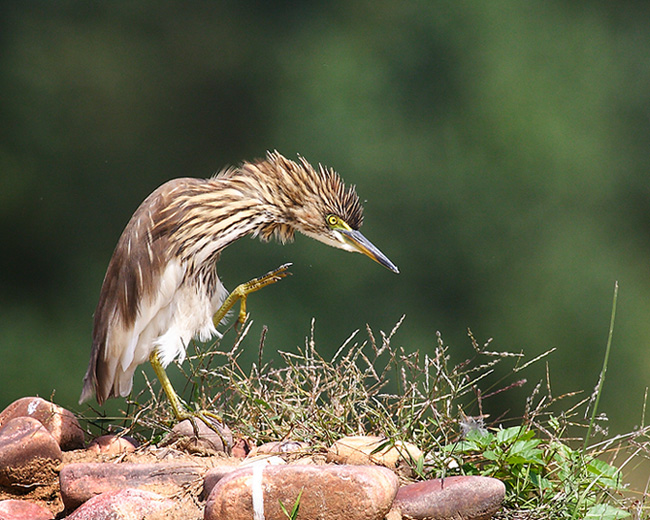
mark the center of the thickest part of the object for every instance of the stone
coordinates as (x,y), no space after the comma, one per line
(82,481)
(451,498)
(61,423)
(208,442)
(29,455)
(328,492)
(367,449)
(279,447)
(213,476)
(112,445)
(126,504)
(23,510)
(241,447)
(272,460)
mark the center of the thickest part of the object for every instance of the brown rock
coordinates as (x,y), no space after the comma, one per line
(451,498)
(329,492)
(213,476)
(127,504)
(29,455)
(112,445)
(208,442)
(23,510)
(241,447)
(83,481)
(61,423)
(367,449)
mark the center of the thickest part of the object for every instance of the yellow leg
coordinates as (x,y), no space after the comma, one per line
(178,407)
(242,291)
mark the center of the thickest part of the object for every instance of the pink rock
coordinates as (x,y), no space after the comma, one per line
(451,498)
(208,442)
(82,481)
(29,455)
(127,504)
(61,423)
(23,510)
(112,445)
(328,492)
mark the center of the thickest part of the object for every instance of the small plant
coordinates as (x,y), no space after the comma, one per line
(539,472)
(293,514)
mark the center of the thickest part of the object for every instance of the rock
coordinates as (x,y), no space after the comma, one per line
(451,498)
(373,450)
(112,445)
(183,436)
(127,504)
(29,455)
(241,447)
(328,492)
(279,447)
(61,423)
(23,510)
(269,460)
(83,481)
(393,514)
(213,476)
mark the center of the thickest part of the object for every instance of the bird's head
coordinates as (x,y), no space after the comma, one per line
(336,232)
(318,204)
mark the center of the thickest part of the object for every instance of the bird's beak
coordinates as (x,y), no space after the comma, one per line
(361,244)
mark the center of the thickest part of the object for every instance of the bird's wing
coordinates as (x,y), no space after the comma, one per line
(139,284)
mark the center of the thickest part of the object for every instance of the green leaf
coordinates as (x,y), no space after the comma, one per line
(605,512)
(526,452)
(512,434)
(491,455)
(294,511)
(607,474)
(480,438)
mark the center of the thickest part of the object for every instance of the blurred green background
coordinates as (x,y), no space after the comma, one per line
(502,149)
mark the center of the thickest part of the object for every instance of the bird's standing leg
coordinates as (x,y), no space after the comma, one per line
(178,407)
(242,291)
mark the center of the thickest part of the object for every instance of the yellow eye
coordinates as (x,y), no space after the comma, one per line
(332,220)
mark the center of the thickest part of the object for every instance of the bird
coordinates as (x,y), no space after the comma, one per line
(161,289)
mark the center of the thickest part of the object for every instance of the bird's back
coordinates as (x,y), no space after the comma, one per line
(141,281)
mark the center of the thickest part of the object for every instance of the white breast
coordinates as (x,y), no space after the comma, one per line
(177,313)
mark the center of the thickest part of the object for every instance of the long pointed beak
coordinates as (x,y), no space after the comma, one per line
(363,245)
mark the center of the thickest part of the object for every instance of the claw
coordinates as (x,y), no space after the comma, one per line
(242,291)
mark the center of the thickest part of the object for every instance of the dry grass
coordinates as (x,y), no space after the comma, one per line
(549,458)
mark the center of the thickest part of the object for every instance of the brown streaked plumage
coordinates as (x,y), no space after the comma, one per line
(161,287)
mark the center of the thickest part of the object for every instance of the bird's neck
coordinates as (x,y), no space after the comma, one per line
(222,210)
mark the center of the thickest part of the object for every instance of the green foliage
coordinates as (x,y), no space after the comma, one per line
(537,471)
(293,514)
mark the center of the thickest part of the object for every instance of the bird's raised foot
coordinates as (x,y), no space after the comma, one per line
(242,291)
(257,283)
